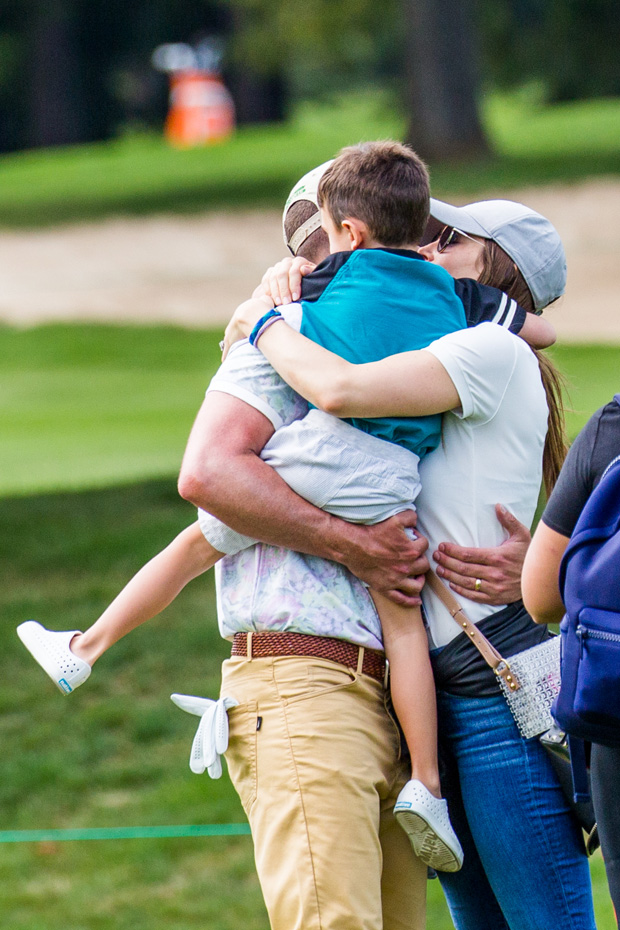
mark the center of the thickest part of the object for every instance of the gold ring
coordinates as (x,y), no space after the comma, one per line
(477,584)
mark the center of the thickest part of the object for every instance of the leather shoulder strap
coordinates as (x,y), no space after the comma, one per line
(486,649)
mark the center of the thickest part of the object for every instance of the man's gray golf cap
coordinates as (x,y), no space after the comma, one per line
(530,240)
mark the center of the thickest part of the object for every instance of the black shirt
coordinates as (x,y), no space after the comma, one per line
(595,447)
(482,303)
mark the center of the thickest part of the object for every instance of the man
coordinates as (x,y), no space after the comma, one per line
(313,751)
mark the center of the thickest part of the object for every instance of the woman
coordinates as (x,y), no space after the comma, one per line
(595,447)
(525,866)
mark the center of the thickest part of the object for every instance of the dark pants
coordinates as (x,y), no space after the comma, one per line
(605,771)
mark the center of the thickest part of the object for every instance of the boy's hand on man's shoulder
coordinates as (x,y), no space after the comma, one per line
(282,282)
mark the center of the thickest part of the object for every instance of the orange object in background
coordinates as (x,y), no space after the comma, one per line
(201,109)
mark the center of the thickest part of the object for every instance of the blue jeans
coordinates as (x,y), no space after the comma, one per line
(525,866)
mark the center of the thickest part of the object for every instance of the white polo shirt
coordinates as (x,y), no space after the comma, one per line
(491,451)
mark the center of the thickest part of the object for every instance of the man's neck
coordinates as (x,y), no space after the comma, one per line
(374,244)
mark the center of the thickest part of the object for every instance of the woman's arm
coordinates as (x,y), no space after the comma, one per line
(537,332)
(410,384)
(541,571)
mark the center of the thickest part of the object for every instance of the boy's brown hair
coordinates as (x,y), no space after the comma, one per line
(384,184)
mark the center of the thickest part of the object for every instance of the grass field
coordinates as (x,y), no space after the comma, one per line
(85,406)
(79,407)
(140,174)
(115,753)
(95,405)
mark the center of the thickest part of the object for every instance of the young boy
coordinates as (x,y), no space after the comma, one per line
(375,201)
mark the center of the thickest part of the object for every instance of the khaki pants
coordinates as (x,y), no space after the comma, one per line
(314,757)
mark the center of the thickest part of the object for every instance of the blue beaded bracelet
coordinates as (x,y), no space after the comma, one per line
(270,317)
(274,319)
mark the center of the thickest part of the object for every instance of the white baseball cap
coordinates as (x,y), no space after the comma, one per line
(305,189)
(530,240)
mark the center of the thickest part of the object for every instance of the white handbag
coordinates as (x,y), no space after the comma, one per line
(530,680)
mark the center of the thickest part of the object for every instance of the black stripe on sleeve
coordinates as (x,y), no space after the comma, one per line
(484,304)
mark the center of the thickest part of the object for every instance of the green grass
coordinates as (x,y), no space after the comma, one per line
(116,752)
(141,174)
(85,406)
(591,374)
(82,406)
(97,405)
(522,125)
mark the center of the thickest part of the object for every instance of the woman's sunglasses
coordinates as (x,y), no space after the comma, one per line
(449,235)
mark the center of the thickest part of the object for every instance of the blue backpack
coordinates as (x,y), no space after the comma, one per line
(588,705)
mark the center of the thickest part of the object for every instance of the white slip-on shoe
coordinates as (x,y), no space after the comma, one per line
(426,821)
(51,650)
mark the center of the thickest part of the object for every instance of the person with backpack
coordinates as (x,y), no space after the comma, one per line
(589,472)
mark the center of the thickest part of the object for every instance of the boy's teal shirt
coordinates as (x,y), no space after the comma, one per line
(371,303)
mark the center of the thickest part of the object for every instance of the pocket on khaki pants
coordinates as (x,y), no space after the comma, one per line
(241,752)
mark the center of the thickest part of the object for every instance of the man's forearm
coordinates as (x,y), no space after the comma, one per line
(223,473)
(250,497)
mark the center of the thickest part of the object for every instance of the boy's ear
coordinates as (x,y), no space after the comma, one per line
(357,231)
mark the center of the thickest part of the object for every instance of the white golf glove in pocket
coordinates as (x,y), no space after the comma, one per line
(211,739)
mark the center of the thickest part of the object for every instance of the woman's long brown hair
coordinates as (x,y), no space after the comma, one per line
(498,270)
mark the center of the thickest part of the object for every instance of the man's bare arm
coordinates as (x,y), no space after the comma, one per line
(222,472)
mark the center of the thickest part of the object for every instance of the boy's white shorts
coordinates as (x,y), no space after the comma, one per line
(336,467)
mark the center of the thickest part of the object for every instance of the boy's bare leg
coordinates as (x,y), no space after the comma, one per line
(419,809)
(412,686)
(148,593)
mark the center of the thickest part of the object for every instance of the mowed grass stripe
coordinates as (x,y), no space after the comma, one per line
(84,406)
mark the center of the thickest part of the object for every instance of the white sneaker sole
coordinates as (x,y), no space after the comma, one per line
(428,846)
(51,651)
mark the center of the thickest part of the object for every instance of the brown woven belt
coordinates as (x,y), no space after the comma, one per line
(262,645)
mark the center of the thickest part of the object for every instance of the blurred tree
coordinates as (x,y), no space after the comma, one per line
(80,69)
(324,46)
(56,105)
(569,46)
(256,84)
(334,46)
(443,79)
(12,56)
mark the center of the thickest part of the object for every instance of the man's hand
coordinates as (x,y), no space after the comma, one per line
(222,472)
(498,570)
(387,559)
(282,282)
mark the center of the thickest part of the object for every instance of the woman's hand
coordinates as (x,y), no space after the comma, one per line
(282,282)
(488,576)
(243,321)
